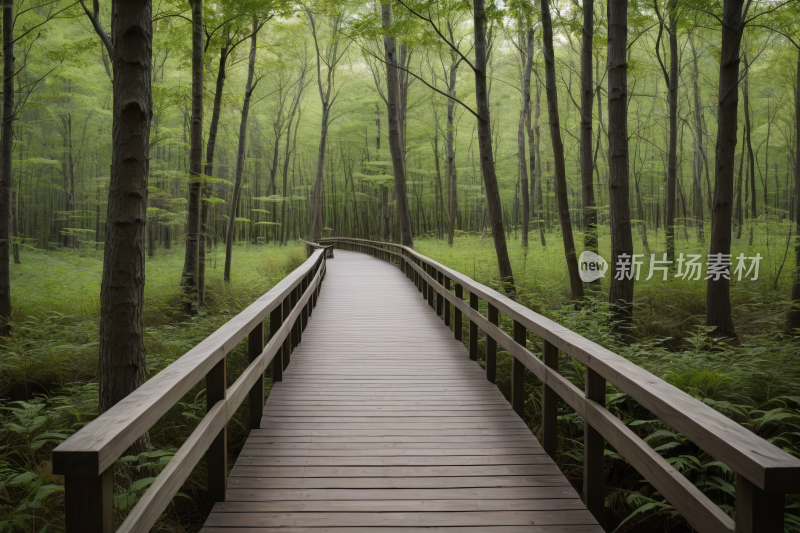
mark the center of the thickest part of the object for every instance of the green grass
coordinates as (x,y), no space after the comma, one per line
(48,373)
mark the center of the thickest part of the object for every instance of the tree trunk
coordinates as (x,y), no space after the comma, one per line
(718,302)
(793,317)
(587,103)
(485,146)
(6,152)
(751,161)
(208,171)
(191,258)
(452,182)
(122,353)
(620,294)
(396,146)
(562,200)
(697,189)
(237,182)
(539,176)
(672,164)
(525,126)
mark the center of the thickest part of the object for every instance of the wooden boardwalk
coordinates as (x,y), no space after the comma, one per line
(383,424)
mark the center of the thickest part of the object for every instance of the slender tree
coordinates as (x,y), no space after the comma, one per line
(562,198)
(396,136)
(587,103)
(192,253)
(237,183)
(718,301)
(6,152)
(620,294)
(793,317)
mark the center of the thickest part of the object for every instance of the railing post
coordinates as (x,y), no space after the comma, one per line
(458,327)
(89,503)
(431,290)
(295,326)
(473,329)
(491,347)
(439,297)
(217,454)
(594,451)
(447,303)
(255,345)
(275,322)
(287,342)
(550,404)
(304,311)
(310,303)
(758,511)
(518,372)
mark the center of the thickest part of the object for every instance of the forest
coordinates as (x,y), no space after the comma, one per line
(502,139)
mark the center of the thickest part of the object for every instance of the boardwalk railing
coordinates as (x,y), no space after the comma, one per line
(87,458)
(764,473)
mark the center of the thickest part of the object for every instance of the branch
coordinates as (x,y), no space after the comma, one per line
(439,33)
(100,32)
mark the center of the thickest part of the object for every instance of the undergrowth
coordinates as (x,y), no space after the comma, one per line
(49,366)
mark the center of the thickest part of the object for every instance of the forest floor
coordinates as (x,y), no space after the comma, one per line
(48,368)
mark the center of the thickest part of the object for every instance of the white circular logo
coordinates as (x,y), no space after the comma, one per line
(592,266)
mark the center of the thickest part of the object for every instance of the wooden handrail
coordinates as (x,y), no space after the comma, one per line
(317,246)
(764,472)
(87,457)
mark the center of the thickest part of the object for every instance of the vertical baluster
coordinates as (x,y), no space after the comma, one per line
(255,345)
(550,404)
(310,303)
(217,454)
(275,321)
(439,297)
(286,350)
(518,372)
(458,327)
(89,503)
(431,290)
(447,303)
(491,347)
(304,311)
(593,451)
(757,511)
(473,329)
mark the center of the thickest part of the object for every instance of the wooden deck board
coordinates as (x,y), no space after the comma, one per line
(383,424)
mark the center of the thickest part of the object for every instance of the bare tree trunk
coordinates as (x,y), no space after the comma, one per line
(587,103)
(122,353)
(452,182)
(751,161)
(620,294)
(793,317)
(6,152)
(539,176)
(208,171)
(191,258)
(562,200)
(525,126)
(672,164)
(396,137)
(237,183)
(718,301)
(485,146)
(697,189)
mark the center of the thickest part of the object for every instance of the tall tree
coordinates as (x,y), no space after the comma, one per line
(671,78)
(587,103)
(526,47)
(122,353)
(237,182)
(6,153)
(620,294)
(191,259)
(330,55)
(718,300)
(793,317)
(396,135)
(562,198)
